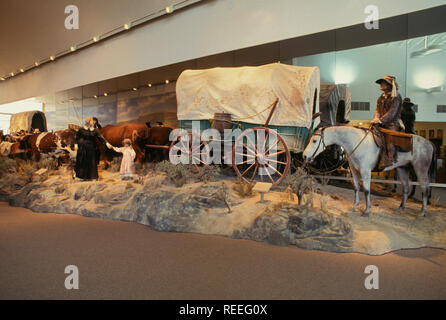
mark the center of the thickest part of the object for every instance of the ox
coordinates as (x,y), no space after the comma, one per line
(115,134)
(53,143)
(11,149)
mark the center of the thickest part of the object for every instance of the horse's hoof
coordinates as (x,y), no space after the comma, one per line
(423,214)
(365,213)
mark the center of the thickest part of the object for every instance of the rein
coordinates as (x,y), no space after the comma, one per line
(321,140)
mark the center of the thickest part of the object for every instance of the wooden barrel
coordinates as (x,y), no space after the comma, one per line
(221,122)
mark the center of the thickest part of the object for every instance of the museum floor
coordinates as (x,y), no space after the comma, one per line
(121,260)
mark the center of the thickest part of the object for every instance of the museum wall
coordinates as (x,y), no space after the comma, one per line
(360,67)
(146,104)
(209,28)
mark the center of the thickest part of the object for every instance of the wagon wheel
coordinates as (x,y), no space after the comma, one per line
(189,148)
(261,154)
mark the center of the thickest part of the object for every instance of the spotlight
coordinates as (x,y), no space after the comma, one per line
(95,39)
(12,74)
(36,64)
(169,9)
(21,70)
(167,81)
(2,79)
(134,89)
(149,85)
(105,94)
(127,26)
(52,58)
(95,96)
(73,48)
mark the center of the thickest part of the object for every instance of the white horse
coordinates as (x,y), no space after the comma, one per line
(362,154)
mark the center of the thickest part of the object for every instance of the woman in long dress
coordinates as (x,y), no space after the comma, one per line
(87,158)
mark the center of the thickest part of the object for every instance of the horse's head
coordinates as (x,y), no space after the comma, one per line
(315,146)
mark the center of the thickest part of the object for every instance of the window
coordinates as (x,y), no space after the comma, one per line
(441,108)
(360,106)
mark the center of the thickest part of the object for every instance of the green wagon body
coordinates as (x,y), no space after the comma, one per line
(295,137)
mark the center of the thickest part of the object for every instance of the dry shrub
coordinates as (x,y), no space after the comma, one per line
(300,182)
(209,173)
(48,163)
(27,169)
(324,202)
(178,173)
(243,188)
(115,164)
(154,183)
(223,196)
(7,165)
(434,201)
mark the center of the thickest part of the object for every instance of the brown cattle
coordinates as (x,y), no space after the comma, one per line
(158,135)
(50,142)
(138,133)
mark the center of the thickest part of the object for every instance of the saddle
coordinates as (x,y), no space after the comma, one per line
(390,142)
(403,141)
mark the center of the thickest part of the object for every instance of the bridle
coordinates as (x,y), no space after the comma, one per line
(321,140)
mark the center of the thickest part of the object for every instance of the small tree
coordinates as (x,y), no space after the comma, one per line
(300,183)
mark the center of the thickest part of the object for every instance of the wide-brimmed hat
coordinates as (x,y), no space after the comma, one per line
(390,80)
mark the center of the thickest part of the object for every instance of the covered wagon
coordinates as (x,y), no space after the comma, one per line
(273,105)
(28,121)
(334,104)
(248,93)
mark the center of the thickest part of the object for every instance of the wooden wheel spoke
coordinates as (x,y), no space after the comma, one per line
(276,161)
(247,148)
(253,144)
(275,154)
(255,170)
(274,169)
(244,154)
(248,169)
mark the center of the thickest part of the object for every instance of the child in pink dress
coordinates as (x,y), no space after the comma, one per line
(128,156)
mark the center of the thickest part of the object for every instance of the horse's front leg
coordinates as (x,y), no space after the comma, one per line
(366,176)
(404,178)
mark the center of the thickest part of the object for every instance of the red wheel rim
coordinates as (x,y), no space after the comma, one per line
(260,161)
(193,152)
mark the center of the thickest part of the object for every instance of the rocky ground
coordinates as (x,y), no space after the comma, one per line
(217,208)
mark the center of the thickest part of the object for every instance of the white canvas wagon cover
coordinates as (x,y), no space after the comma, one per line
(28,121)
(246,93)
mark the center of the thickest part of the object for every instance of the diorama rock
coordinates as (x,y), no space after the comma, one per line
(217,208)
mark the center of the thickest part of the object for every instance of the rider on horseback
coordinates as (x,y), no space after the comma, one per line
(388,116)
